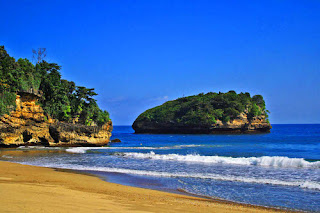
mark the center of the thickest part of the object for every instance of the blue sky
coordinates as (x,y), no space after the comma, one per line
(139,54)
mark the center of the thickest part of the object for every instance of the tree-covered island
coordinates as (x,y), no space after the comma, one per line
(207,113)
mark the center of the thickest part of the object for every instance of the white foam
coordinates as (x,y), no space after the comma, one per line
(301,184)
(270,161)
(38,147)
(82,150)
(7,156)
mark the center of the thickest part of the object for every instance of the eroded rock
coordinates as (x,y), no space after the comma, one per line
(29,125)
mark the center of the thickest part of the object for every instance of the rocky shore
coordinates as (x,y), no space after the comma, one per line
(29,125)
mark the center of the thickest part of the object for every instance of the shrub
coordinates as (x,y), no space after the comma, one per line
(7,102)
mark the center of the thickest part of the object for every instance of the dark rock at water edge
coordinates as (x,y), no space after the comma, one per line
(116,140)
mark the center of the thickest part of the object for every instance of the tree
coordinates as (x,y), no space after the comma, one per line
(39,55)
(258,99)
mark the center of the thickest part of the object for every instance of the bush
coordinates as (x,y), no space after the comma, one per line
(7,102)
(254,111)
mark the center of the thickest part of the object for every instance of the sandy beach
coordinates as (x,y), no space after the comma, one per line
(26,188)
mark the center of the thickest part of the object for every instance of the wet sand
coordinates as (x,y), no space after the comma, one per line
(26,188)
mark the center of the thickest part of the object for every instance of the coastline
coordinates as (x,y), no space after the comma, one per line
(38,189)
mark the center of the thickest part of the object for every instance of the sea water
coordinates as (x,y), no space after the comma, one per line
(280,169)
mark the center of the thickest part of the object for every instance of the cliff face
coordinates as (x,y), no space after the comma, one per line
(28,125)
(238,125)
(65,134)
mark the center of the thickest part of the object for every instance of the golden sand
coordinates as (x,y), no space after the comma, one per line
(36,189)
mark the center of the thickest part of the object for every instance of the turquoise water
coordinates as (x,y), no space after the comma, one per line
(280,169)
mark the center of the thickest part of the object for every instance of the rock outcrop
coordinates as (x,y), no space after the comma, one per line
(116,140)
(29,125)
(66,134)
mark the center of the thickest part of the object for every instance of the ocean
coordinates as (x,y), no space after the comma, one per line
(280,169)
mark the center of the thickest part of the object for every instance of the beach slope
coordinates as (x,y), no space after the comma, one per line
(26,188)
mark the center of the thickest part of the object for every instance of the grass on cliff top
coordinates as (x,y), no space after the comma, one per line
(205,109)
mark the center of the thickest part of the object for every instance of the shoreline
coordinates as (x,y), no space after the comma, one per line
(39,189)
(183,192)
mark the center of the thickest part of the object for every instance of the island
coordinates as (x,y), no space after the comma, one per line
(209,113)
(38,107)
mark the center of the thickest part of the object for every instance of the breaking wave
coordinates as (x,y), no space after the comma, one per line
(82,150)
(39,148)
(270,161)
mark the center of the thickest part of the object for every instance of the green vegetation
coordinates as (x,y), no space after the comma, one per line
(206,109)
(7,102)
(61,99)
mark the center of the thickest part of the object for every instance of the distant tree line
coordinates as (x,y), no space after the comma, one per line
(60,99)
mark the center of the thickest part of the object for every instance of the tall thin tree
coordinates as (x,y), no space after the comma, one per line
(39,55)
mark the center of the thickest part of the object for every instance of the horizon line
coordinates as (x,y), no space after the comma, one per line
(271,124)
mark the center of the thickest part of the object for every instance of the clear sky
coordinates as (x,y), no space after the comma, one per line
(139,54)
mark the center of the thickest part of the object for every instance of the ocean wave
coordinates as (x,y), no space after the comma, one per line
(82,150)
(270,161)
(301,184)
(7,156)
(39,148)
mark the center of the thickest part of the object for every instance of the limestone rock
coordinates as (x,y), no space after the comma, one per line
(28,125)
(65,134)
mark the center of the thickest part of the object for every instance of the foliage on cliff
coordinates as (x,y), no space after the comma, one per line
(205,109)
(61,99)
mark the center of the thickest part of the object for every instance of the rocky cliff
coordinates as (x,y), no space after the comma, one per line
(28,125)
